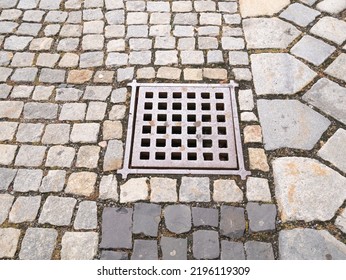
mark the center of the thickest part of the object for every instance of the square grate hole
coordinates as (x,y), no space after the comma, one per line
(183,129)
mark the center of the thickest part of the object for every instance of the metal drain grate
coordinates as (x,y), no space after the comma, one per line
(183,129)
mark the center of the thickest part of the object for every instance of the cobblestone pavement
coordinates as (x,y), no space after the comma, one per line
(64,69)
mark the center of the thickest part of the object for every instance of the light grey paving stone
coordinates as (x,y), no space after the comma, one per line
(54,181)
(146,219)
(232,43)
(261,216)
(204,6)
(334,150)
(50,4)
(210,19)
(310,244)
(173,248)
(146,73)
(215,57)
(170,73)
(88,156)
(49,60)
(60,156)
(308,2)
(5,4)
(323,95)
(119,95)
(287,69)
(183,31)
(261,33)
(109,188)
(206,244)
(6,203)
(160,30)
(11,14)
(57,211)
(26,4)
(205,217)
(30,156)
(208,30)
(7,154)
(39,44)
(71,44)
(9,238)
(38,244)
(331,6)
(158,6)
(160,18)
(232,221)
(116,45)
(11,109)
(136,18)
(144,250)
(17,43)
(284,121)
(86,217)
(96,111)
(116,228)
(4,91)
(178,218)
(140,44)
(238,58)
(185,19)
(22,91)
(27,180)
(114,31)
(337,69)
(24,74)
(137,31)
(340,221)
(182,6)
(4,73)
(257,189)
(81,183)
(321,49)
(293,177)
(163,190)
(56,16)
(22,59)
(43,92)
(92,42)
(56,134)
(6,177)
(29,132)
(331,29)
(115,17)
(194,189)
(125,74)
(71,30)
(68,94)
(186,44)
(232,250)
(79,245)
(116,59)
(166,57)
(227,191)
(91,59)
(114,155)
(134,189)
(232,19)
(300,14)
(245,99)
(25,209)
(69,60)
(33,110)
(85,132)
(111,255)
(5,58)
(256,250)
(192,57)
(93,27)
(140,58)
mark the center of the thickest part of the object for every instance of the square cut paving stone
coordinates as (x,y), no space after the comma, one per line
(46,111)
(56,134)
(79,245)
(134,189)
(96,111)
(338,69)
(88,156)
(24,74)
(60,156)
(86,217)
(6,201)
(321,50)
(163,190)
(205,217)
(57,211)
(262,217)
(205,244)
(227,191)
(232,250)
(17,43)
(144,250)
(31,156)
(9,238)
(116,228)
(232,221)
(97,92)
(178,218)
(85,132)
(173,248)
(331,6)
(29,132)
(300,14)
(232,43)
(6,177)
(4,74)
(257,189)
(146,219)
(108,188)
(73,112)
(52,76)
(259,251)
(54,181)
(11,109)
(25,209)
(331,29)
(38,244)
(27,180)
(68,94)
(112,130)
(334,150)
(113,158)
(7,153)
(4,89)
(194,189)
(81,183)
(111,255)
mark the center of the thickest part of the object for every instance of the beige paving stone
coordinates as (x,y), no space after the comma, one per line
(253,8)
(79,76)
(81,183)
(258,159)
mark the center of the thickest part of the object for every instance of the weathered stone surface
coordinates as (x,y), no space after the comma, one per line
(259,251)
(116,228)
(232,222)
(40,111)
(111,255)
(323,95)
(310,244)
(57,211)
(178,218)
(257,189)
(134,189)
(56,134)
(232,250)
(85,132)
(227,191)
(163,190)
(29,132)
(60,156)
(262,216)
(7,153)
(27,180)
(54,181)
(194,189)
(114,155)
(279,73)
(285,121)
(173,248)
(86,217)
(79,245)
(258,159)
(300,14)
(331,29)
(263,33)
(88,156)
(337,69)
(11,109)
(205,217)
(6,203)
(340,221)
(297,199)
(25,209)
(109,188)
(250,8)
(205,244)
(331,6)
(38,244)
(146,219)
(334,150)
(144,250)
(6,177)
(31,156)
(9,238)
(81,183)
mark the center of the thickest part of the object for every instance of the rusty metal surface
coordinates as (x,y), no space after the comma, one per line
(183,129)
